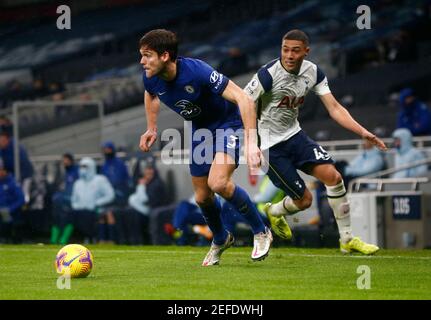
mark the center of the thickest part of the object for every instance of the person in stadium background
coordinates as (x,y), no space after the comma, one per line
(150,193)
(406,154)
(7,145)
(61,204)
(91,194)
(414,115)
(11,201)
(197,92)
(279,89)
(368,161)
(115,170)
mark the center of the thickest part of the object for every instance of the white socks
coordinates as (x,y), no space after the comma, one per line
(340,206)
(285,206)
(338,202)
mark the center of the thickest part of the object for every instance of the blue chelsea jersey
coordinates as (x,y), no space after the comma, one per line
(196,95)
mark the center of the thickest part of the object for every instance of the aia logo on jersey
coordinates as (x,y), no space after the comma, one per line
(291,102)
(189,110)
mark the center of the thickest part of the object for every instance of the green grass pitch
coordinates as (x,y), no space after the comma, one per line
(169,272)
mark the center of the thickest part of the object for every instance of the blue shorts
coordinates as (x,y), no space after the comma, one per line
(299,152)
(204,149)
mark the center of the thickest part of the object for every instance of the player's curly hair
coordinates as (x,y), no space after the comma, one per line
(161,40)
(299,35)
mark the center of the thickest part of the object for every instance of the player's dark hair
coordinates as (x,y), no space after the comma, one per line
(161,40)
(299,35)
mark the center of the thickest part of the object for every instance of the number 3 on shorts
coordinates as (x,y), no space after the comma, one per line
(232,142)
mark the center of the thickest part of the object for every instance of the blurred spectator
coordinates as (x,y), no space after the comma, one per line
(11,201)
(188,215)
(133,220)
(155,187)
(7,155)
(61,202)
(39,89)
(407,154)
(236,63)
(90,195)
(370,160)
(116,171)
(54,87)
(6,125)
(414,114)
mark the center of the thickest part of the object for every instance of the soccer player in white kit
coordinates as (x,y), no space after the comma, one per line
(278,89)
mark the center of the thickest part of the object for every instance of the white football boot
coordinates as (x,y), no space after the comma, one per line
(261,245)
(213,256)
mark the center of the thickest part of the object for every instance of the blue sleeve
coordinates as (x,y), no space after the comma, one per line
(265,79)
(210,78)
(320,75)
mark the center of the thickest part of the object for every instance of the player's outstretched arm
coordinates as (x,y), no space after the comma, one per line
(247,109)
(343,118)
(152,107)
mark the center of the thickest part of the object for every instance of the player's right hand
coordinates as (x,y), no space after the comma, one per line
(147,140)
(375,141)
(254,158)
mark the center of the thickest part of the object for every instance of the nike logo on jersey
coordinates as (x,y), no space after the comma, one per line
(161,93)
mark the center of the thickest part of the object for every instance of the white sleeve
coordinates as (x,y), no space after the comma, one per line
(254,88)
(322,88)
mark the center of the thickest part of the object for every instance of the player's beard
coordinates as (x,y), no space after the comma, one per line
(155,70)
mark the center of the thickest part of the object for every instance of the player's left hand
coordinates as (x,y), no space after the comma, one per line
(375,141)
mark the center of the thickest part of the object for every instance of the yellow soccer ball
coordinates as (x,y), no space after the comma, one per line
(75,260)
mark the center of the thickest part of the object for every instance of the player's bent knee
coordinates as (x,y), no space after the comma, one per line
(204,198)
(219,186)
(333,178)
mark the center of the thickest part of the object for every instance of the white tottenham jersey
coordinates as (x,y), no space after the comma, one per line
(279,95)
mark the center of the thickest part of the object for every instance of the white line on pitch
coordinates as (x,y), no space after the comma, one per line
(305,255)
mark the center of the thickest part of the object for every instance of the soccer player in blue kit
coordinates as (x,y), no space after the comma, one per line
(208,99)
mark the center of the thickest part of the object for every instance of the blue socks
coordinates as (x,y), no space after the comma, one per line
(212,216)
(243,204)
